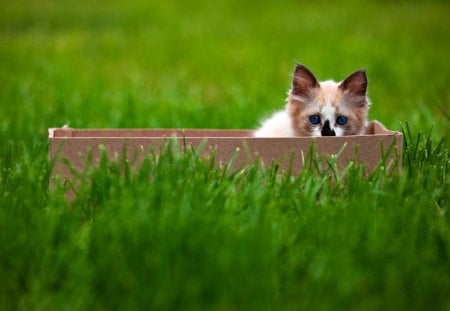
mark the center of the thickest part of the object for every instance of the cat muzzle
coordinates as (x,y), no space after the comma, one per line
(326,130)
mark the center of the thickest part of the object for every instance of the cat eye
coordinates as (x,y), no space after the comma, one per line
(341,120)
(314,119)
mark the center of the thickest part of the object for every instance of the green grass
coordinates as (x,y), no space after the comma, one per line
(197,237)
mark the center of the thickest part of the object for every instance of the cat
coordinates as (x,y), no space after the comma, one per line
(320,108)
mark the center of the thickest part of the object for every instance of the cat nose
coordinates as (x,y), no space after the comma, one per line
(326,130)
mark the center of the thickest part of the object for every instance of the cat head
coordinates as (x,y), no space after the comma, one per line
(328,108)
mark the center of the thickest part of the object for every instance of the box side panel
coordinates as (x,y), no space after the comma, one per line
(73,154)
(399,150)
(57,155)
(359,149)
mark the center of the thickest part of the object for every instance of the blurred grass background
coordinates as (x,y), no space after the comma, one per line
(197,238)
(170,64)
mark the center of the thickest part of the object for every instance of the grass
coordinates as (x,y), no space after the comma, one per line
(198,237)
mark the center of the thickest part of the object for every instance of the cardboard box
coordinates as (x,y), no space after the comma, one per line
(74,145)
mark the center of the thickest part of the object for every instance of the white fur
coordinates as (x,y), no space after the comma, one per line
(328,113)
(339,131)
(278,125)
(316,132)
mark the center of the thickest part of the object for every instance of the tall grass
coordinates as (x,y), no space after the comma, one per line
(181,233)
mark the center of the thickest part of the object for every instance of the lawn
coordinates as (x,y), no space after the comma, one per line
(194,236)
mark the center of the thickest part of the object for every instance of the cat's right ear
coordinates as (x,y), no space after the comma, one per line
(303,81)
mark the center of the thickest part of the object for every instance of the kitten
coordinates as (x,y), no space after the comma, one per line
(320,108)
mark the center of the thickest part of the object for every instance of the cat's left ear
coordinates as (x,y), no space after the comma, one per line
(356,83)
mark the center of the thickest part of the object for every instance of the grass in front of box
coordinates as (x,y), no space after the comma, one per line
(191,236)
(183,234)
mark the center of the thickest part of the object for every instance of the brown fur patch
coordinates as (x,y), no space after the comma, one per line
(303,81)
(356,83)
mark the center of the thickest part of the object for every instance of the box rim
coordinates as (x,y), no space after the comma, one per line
(65,129)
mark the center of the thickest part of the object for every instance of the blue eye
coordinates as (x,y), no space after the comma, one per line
(314,119)
(341,120)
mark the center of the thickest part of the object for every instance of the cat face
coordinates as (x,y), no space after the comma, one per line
(328,108)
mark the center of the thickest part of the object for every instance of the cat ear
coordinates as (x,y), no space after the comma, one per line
(303,81)
(356,83)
